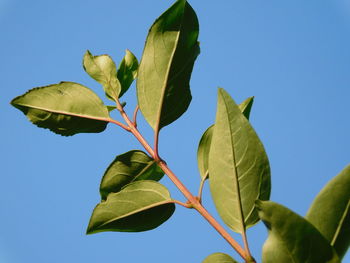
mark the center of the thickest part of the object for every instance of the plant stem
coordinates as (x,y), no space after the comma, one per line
(192,200)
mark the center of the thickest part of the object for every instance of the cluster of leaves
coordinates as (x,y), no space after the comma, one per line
(230,154)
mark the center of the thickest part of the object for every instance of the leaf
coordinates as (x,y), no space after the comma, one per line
(219,258)
(203,152)
(163,78)
(127,71)
(140,206)
(238,166)
(103,69)
(204,144)
(330,212)
(292,238)
(126,168)
(66,108)
(246,107)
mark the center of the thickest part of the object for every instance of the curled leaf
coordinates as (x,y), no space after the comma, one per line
(140,206)
(66,108)
(330,212)
(126,168)
(292,238)
(171,48)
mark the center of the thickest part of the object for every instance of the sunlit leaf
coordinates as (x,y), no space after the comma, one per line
(163,78)
(219,258)
(140,206)
(204,144)
(239,171)
(126,168)
(66,108)
(103,69)
(292,238)
(330,212)
(127,71)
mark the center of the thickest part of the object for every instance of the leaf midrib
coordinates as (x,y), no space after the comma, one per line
(67,113)
(235,169)
(340,225)
(135,212)
(167,75)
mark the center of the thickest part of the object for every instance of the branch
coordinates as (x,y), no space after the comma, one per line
(192,200)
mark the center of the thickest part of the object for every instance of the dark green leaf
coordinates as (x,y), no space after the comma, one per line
(292,238)
(140,206)
(127,71)
(238,166)
(204,144)
(163,78)
(66,108)
(103,69)
(126,168)
(219,258)
(330,212)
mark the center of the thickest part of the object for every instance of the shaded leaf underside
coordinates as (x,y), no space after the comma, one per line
(239,171)
(166,65)
(66,108)
(140,206)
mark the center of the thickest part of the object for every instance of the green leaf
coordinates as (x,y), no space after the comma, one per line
(246,107)
(292,238)
(238,166)
(204,144)
(330,212)
(140,206)
(203,152)
(66,108)
(163,78)
(126,168)
(103,69)
(219,258)
(127,71)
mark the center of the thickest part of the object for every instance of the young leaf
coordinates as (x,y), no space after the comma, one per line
(66,108)
(126,168)
(127,71)
(204,144)
(103,70)
(203,152)
(238,166)
(163,78)
(246,106)
(330,212)
(140,206)
(219,258)
(292,238)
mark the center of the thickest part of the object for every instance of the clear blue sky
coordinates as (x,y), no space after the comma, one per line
(293,56)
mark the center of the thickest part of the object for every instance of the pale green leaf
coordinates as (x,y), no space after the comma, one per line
(203,152)
(238,166)
(330,212)
(292,238)
(219,258)
(126,168)
(66,108)
(204,144)
(127,71)
(171,48)
(140,206)
(103,69)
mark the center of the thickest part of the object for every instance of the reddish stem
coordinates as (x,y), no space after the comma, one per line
(192,200)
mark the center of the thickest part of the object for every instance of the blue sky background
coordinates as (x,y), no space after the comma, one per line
(293,56)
